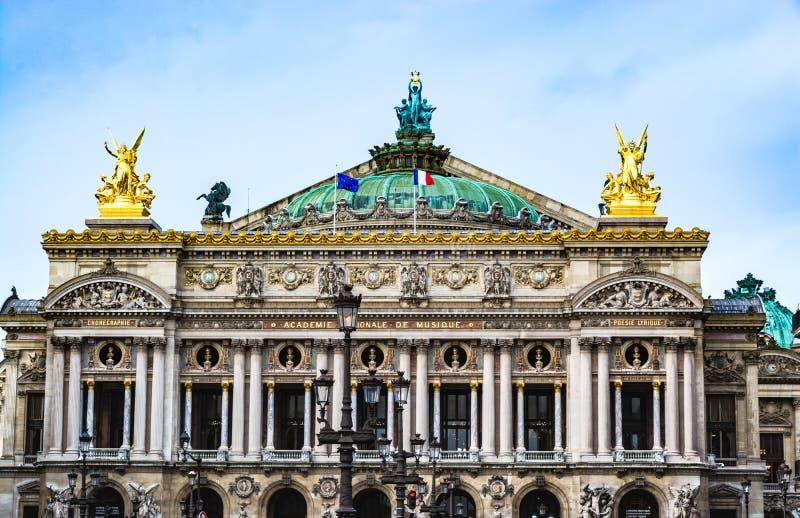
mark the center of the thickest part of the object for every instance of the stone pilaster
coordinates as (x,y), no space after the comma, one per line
(74,410)
(140,405)
(671,421)
(689,398)
(256,391)
(157,428)
(422,409)
(506,403)
(751,398)
(487,402)
(405,366)
(172,391)
(603,399)
(585,380)
(354,403)
(237,428)
(10,405)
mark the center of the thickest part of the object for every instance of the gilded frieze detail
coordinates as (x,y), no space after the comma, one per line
(373,276)
(538,275)
(208,277)
(290,277)
(456,277)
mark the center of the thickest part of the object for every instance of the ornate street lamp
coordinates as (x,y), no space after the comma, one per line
(371,386)
(347,306)
(746,493)
(84,502)
(433,508)
(192,476)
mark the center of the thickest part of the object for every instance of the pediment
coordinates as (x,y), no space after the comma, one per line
(637,293)
(779,366)
(723,490)
(108,289)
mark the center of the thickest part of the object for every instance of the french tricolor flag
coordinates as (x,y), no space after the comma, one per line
(422,177)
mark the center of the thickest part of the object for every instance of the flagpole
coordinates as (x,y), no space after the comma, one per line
(335,194)
(414,203)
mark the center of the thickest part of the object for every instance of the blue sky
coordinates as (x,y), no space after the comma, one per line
(269,97)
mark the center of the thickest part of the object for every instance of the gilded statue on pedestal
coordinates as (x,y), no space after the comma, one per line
(630,192)
(125,194)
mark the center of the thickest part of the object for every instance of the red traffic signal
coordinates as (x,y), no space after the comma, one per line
(412,499)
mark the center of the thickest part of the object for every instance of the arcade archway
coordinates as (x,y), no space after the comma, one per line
(110,503)
(540,504)
(456,500)
(638,504)
(372,503)
(209,501)
(287,503)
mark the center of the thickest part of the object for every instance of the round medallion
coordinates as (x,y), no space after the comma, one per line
(209,276)
(110,355)
(455,357)
(207,357)
(539,357)
(373,276)
(455,276)
(771,367)
(290,276)
(637,355)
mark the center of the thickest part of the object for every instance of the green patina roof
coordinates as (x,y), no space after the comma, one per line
(779,317)
(398,189)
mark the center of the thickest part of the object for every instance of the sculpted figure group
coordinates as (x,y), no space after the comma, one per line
(415,112)
(685,505)
(630,180)
(331,280)
(249,280)
(497,281)
(595,502)
(414,281)
(108,295)
(125,182)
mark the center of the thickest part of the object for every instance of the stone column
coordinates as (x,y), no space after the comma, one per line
(187,411)
(337,392)
(271,414)
(126,417)
(657,415)
(474,416)
(751,398)
(140,405)
(689,421)
(603,400)
(237,438)
(256,404)
(436,433)
(390,413)
(557,446)
(172,391)
(405,366)
(57,397)
(796,428)
(354,403)
(487,401)
(671,397)
(321,346)
(422,408)
(223,432)
(90,408)
(520,417)
(10,406)
(618,416)
(74,411)
(586,395)
(573,397)
(308,413)
(506,403)
(157,428)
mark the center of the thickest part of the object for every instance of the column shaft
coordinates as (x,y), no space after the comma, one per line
(74,412)
(307,416)
(656,415)
(223,433)
(271,415)
(140,405)
(586,398)
(487,402)
(671,398)
(405,366)
(422,409)
(157,428)
(354,403)
(256,405)
(751,398)
(473,416)
(618,415)
(603,401)
(10,406)
(172,392)
(126,417)
(506,405)
(520,417)
(338,387)
(237,438)
(90,408)
(688,403)
(187,412)
(437,411)
(557,446)
(390,413)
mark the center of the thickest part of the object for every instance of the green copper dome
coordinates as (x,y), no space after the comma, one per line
(779,317)
(398,189)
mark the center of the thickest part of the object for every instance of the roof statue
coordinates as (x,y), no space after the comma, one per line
(414,114)
(218,193)
(779,317)
(125,194)
(630,194)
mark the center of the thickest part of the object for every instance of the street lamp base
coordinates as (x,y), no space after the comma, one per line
(346,512)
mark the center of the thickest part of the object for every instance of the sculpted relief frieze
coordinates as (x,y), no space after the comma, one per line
(111,294)
(331,280)
(413,283)
(723,367)
(778,367)
(291,276)
(637,294)
(373,276)
(456,277)
(774,412)
(208,277)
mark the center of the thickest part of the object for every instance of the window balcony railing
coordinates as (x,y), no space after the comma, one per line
(459,457)
(108,454)
(367,456)
(540,457)
(646,456)
(29,459)
(292,456)
(207,455)
(770,487)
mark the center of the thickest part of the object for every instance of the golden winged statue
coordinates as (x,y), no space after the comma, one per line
(629,193)
(125,193)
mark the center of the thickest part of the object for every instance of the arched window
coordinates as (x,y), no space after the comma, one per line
(287,503)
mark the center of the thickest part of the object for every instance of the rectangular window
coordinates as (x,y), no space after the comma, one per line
(289,418)
(34,423)
(772,454)
(636,421)
(538,421)
(721,428)
(455,419)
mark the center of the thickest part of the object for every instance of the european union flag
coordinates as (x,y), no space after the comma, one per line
(346,182)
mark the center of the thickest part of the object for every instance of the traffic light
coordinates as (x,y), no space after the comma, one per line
(412,499)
